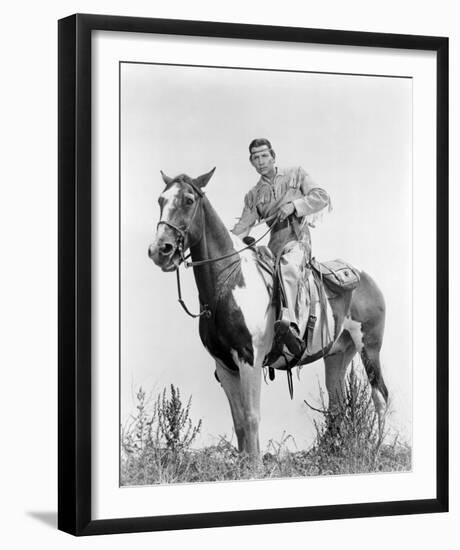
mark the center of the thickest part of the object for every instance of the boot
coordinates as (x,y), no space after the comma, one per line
(289,334)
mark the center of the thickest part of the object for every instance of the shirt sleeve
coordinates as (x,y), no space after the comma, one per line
(248,217)
(314,198)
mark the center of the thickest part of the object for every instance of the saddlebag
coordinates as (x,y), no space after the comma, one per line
(337,274)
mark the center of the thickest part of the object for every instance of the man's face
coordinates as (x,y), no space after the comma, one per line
(262,160)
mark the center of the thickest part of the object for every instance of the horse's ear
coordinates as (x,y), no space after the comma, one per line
(166,178)
(202,181)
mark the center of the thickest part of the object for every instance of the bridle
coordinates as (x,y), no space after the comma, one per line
(182,233)
(181,237)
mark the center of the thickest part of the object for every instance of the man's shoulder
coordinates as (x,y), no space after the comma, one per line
(293,176)
(291,171)
(253,190)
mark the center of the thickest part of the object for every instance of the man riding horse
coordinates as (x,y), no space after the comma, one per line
(237,316)
(287,199)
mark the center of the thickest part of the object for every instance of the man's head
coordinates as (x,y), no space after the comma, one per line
(262,156)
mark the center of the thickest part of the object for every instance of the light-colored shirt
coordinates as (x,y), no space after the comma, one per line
(266,197)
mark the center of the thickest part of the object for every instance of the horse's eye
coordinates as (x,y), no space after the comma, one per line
(188,201)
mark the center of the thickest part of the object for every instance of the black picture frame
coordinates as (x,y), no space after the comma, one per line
(75,234)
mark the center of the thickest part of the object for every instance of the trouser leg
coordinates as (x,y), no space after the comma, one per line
(292,268)
(293,264)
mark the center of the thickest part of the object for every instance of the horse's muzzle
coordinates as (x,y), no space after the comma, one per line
(164,254)
(152,252)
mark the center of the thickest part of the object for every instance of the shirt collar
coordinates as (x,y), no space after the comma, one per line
(264,180)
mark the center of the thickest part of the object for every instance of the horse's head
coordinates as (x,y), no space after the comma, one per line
(179,225)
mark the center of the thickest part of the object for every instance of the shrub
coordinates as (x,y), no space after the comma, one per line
(156,446)
(349,436)
(174,421)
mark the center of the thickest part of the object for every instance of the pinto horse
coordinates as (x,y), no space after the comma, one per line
(236,324)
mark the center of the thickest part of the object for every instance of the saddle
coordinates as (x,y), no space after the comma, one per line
(323,281)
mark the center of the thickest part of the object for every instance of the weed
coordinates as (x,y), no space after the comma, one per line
(156,446)
(174,421)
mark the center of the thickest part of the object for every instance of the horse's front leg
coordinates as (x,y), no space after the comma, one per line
(250,385)
(230,382)
(242,389)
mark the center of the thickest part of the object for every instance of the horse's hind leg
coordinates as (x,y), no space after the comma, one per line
(370,355)
(368,341)
(372,332)
(367,326)
(336,367)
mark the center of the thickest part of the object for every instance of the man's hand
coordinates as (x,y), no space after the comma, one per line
(286,210)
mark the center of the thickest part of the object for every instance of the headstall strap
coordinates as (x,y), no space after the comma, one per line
(180,231)
(196,189)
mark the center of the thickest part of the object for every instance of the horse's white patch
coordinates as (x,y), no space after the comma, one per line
(169,197)
(235,357)
(254,301)
(356,332)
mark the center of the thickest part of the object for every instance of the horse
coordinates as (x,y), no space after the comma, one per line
(237,315)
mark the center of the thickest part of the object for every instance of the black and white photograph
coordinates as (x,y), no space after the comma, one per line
(265,268)
(230,241)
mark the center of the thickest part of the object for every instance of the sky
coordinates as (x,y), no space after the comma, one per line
(352,134)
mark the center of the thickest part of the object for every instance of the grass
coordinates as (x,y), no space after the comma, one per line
(157,444)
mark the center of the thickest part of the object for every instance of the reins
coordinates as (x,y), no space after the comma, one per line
(229,255)
(204,309)
(182,234)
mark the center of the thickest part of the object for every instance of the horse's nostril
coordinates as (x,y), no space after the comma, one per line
(166,249)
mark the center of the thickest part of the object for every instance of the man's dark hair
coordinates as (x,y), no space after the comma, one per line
(259,142)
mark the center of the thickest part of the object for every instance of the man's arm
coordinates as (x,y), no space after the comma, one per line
(314,198)
(248,218)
